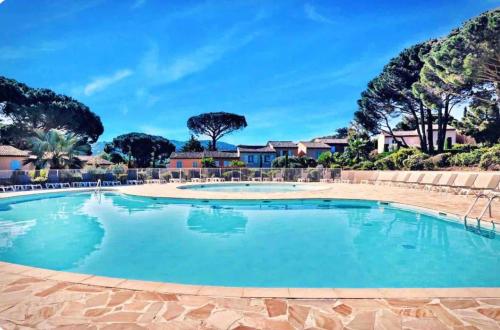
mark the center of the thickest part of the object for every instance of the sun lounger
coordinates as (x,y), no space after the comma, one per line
(429,180)
(400,179)
(24,187)
(57,185)
(485,183)
(386,177)
(414,179)
(461,184)
(372,178)
(151,181)
(304,177)
(135,182)
(327,176)
(278,177)
(257,179)
(111,183)
(197,180)
(444,181)
(6,188)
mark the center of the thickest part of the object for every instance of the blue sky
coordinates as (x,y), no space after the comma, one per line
(294,68)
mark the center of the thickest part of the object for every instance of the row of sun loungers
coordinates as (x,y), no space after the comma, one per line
(448,182)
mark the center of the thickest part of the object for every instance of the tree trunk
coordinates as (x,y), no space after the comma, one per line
(442,125)
(423,137)
(430,132)
(213,146)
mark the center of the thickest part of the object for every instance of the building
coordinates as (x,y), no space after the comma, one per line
(256,156)
(193,159)
(283,148)
(312,149)
(386,142)
(12,158)
(336,145)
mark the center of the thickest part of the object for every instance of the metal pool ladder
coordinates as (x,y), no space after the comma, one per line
(487,207)
(98,186)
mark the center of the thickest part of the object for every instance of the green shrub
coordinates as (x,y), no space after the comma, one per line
(401,155)
(441,160)
(460,148)
(490,160)
(466,159)
(237,163)
(416,162)
(385,164)
(39,176)
(69,176)
(365,165)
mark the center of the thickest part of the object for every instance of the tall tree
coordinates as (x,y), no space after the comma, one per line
(25,110)
(390,96)
(56,150)
(215,125)
(467,62)
(192,145)
(140,150)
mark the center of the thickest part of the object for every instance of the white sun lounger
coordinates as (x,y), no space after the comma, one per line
(372,178)
(461,184)
(485,183)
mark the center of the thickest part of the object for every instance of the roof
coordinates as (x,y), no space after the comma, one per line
(6,150)
(256,149)
(282,144)
(315,145)
(332,141)
(203,154)
(414,132)
(94,160)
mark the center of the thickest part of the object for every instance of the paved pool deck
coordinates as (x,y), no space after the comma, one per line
(38,298)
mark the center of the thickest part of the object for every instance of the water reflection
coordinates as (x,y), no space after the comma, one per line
(221,221)
(51,235)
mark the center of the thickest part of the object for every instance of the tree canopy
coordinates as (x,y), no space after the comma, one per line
(215,125)
(56,150)
(140,150)
(24,110)
(192,145)
(419,88)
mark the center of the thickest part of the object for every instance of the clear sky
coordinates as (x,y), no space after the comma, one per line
(294,68)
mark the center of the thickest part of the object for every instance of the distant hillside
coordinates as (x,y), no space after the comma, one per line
(98,147)
(220,145)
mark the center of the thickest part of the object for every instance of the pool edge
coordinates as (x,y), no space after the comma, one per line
(248,292)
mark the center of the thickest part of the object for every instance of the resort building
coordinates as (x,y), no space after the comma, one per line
(284,148)
(312,149)
(336,145)
(386,142)
(12,158)
(256,156)
(193,159)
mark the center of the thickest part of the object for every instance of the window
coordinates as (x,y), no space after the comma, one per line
(284,152)
(250,159)
(226,163)
(15,164)
(267,158)
(332,149)
(217,163)
(386,147)
(179,164)
(195,164)
(318,153)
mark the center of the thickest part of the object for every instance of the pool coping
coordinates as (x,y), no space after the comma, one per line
(245,292)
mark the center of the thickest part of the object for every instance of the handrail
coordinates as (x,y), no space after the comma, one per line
(98,185)
(467,213)
(487,207)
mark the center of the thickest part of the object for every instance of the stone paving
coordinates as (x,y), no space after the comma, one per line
(37,298)
(31,302)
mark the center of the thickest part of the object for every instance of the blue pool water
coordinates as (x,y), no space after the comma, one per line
(253,187)
(316,243)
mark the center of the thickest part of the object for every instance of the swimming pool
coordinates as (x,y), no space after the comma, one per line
(255,187)
(301,243)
